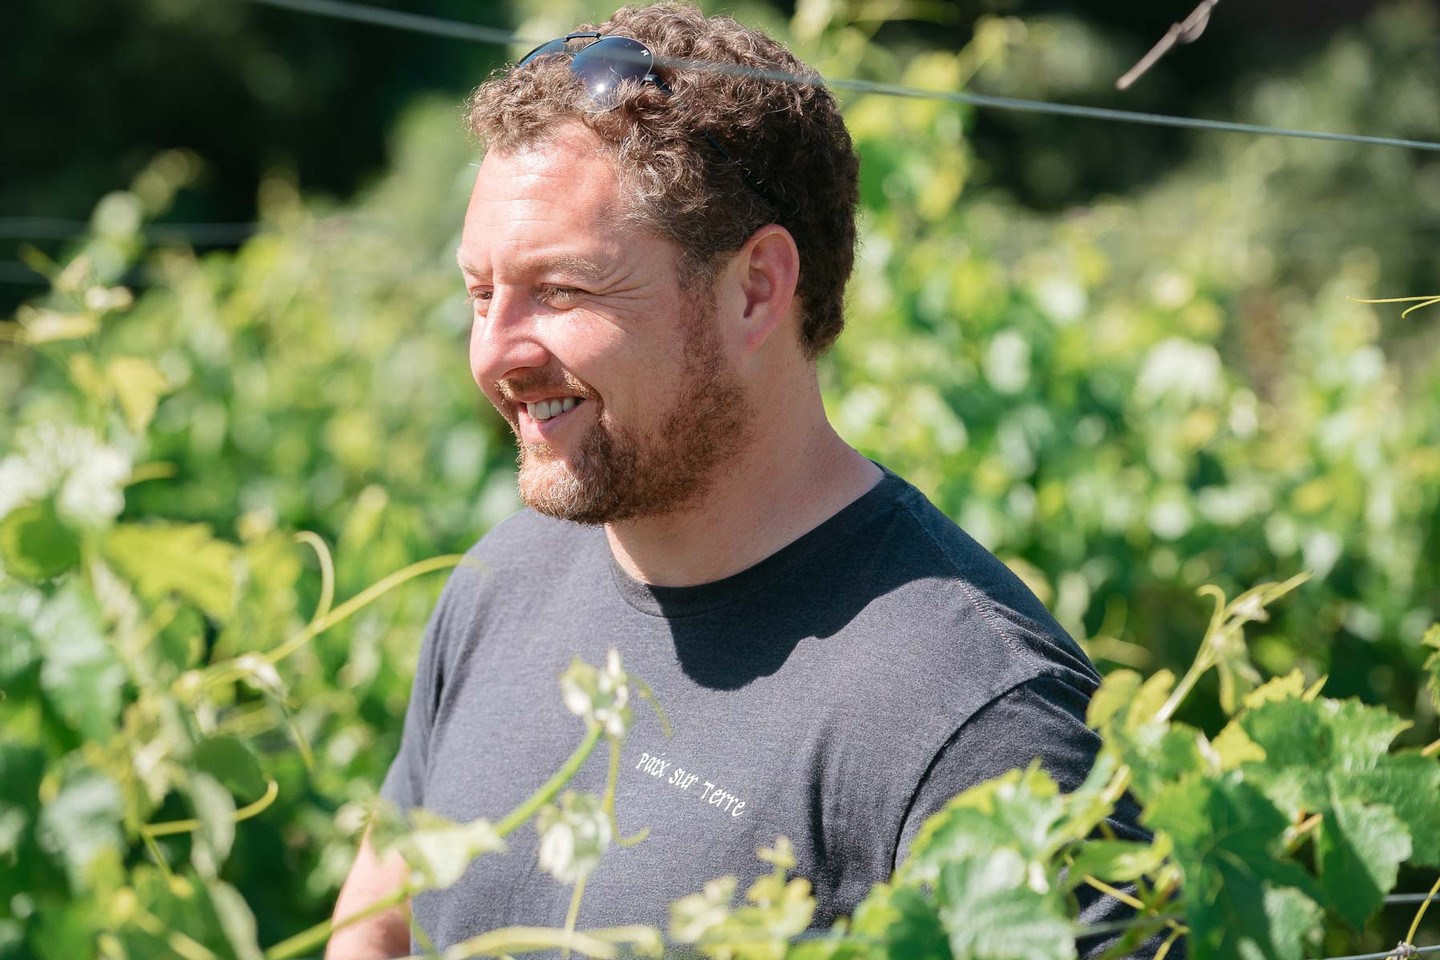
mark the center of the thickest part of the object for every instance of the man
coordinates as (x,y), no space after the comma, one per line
(657,253)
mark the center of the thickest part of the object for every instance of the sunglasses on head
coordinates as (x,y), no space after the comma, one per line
(602,67)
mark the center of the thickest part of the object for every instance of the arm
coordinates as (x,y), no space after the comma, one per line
(385,934)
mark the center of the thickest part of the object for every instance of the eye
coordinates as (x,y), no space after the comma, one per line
(554,294)
(479,298)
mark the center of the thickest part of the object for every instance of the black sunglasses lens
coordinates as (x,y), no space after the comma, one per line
(607,63)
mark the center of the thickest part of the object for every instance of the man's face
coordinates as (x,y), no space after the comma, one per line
(610,373)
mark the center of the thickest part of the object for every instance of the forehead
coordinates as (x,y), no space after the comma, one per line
(560,195)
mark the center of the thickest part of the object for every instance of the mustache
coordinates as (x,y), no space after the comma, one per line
(557,381)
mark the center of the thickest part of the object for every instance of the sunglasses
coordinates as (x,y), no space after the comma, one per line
(603,67)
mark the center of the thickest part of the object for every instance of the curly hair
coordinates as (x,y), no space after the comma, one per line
(788,137)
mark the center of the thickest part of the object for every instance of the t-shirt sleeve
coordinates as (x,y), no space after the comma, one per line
(1042,719)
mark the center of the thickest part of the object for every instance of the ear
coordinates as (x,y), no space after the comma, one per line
(767,269)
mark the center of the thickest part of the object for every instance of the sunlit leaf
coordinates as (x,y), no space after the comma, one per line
(236,920)
(1227,837)
(991,911)
(138,386)
(185,559)
(1361,847)
(82,824)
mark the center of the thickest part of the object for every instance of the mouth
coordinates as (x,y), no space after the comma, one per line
(542,410)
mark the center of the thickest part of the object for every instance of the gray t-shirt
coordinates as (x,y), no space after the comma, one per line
(836,693)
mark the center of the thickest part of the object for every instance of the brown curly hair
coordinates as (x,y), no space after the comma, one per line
(787,137)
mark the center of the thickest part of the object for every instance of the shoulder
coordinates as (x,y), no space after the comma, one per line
(955,604)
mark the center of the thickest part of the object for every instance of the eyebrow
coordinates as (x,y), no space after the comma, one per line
(566,265)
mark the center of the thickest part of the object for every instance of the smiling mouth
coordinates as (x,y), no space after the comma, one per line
(546,409)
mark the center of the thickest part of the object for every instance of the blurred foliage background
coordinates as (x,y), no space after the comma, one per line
(1128,360)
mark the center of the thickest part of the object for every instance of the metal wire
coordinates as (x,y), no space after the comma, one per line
(361,13)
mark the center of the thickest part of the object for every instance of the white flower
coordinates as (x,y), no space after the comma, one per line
(573,836)
(85,475)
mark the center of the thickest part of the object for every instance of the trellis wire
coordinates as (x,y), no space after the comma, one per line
(455,29)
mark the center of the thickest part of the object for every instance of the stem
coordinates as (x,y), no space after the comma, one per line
(552,786)
(307,940)
(327,572)
(1431,749)
(573,914)
(159,856)
(1137,932)
(1302,828)
(1164,950)
(361,599)
(612,778)
(1117,894)
(272,790)
(1420,914)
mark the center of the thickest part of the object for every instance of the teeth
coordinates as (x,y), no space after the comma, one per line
(545,409)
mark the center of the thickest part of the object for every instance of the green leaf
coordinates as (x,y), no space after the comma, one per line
(1361,848)
(438,851)
(36,544)
(162,559)
(991,911)
(905,920)
(232,764)
(1018,810)
(1233,747)
(1321,751)
(1116,691)
(19,653)
(694,916)
(1289,687)
(81,826)
(1408,783)
(1228,838)
(139,384)
(79,675)
(236,920)
(215,809)
(1117,861)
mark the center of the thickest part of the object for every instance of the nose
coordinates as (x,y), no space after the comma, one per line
(504,341)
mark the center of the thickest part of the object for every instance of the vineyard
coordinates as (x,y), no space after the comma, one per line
(231,486)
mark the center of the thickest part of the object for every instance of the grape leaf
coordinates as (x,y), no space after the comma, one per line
(1117,861)
(438,851)
(236,920)
(215,809)
(1017,810)
(82,824)
(138,386)
(905,920)
(35,543)
(184,559)
(232,764)
(1361,847)
(79,673)
(1227,837)
(992,911)
(1332,758)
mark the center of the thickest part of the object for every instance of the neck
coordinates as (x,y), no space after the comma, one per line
(795,475)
